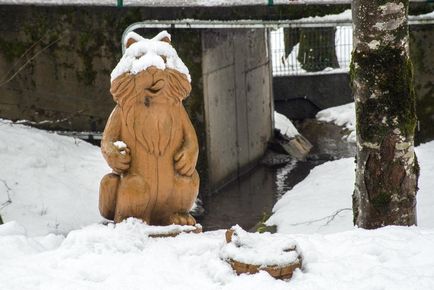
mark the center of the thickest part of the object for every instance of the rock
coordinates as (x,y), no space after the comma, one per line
(272,158)
(329,140)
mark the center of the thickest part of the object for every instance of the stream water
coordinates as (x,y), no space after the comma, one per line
(248,199)
(251,198)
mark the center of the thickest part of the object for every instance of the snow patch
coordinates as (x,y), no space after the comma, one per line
(149,52)
(121,146)
(264,249)
(344,115)
(284,125)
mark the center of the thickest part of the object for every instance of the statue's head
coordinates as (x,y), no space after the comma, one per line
(133,37)
(166,75)
(142,53)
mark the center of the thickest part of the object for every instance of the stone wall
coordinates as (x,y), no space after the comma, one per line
(302,96)
(59,64)
(55,65)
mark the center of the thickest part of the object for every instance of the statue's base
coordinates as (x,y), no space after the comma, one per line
(173,230)
(161,231)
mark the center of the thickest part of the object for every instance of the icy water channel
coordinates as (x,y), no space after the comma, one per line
(248,199)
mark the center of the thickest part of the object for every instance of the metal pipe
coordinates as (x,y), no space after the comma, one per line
(179,3)
(255,24)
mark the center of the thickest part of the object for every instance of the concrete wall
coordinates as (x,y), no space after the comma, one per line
(238,100)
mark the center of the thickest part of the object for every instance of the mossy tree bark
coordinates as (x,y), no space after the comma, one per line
(317,49)
(387,169)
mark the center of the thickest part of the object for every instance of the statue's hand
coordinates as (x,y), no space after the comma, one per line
(185,161)
(118,159)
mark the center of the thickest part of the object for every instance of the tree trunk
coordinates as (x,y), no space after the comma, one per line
(381,72)
(317,49)
(291,36)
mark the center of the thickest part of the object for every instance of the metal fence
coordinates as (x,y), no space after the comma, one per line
(304,50)
(310,47)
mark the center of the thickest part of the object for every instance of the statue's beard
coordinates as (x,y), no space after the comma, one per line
(151,124)
(151,117)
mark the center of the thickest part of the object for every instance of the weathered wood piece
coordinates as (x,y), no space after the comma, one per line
(298,146)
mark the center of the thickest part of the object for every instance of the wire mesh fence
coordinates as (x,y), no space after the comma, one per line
(310,47)
(311,50)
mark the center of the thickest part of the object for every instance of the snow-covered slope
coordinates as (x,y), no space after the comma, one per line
(48,183)
(321,203)
(344,115)
(53,180)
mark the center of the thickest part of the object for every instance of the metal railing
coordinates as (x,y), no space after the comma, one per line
(318,46)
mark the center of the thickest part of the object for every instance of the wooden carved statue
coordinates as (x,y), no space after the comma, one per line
(149,140)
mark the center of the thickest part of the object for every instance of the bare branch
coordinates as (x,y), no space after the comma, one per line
(23,55)
(8,191)
(328,218)
(44,122)
(27,62)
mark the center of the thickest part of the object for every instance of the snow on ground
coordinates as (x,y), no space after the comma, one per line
(344,116)
(321,203)
(48,183)
(326,189)
(264,249)
(54,180)
(284,125)
(124,257)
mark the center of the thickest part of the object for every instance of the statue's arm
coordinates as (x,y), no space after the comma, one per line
(112,132)
(186,157)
